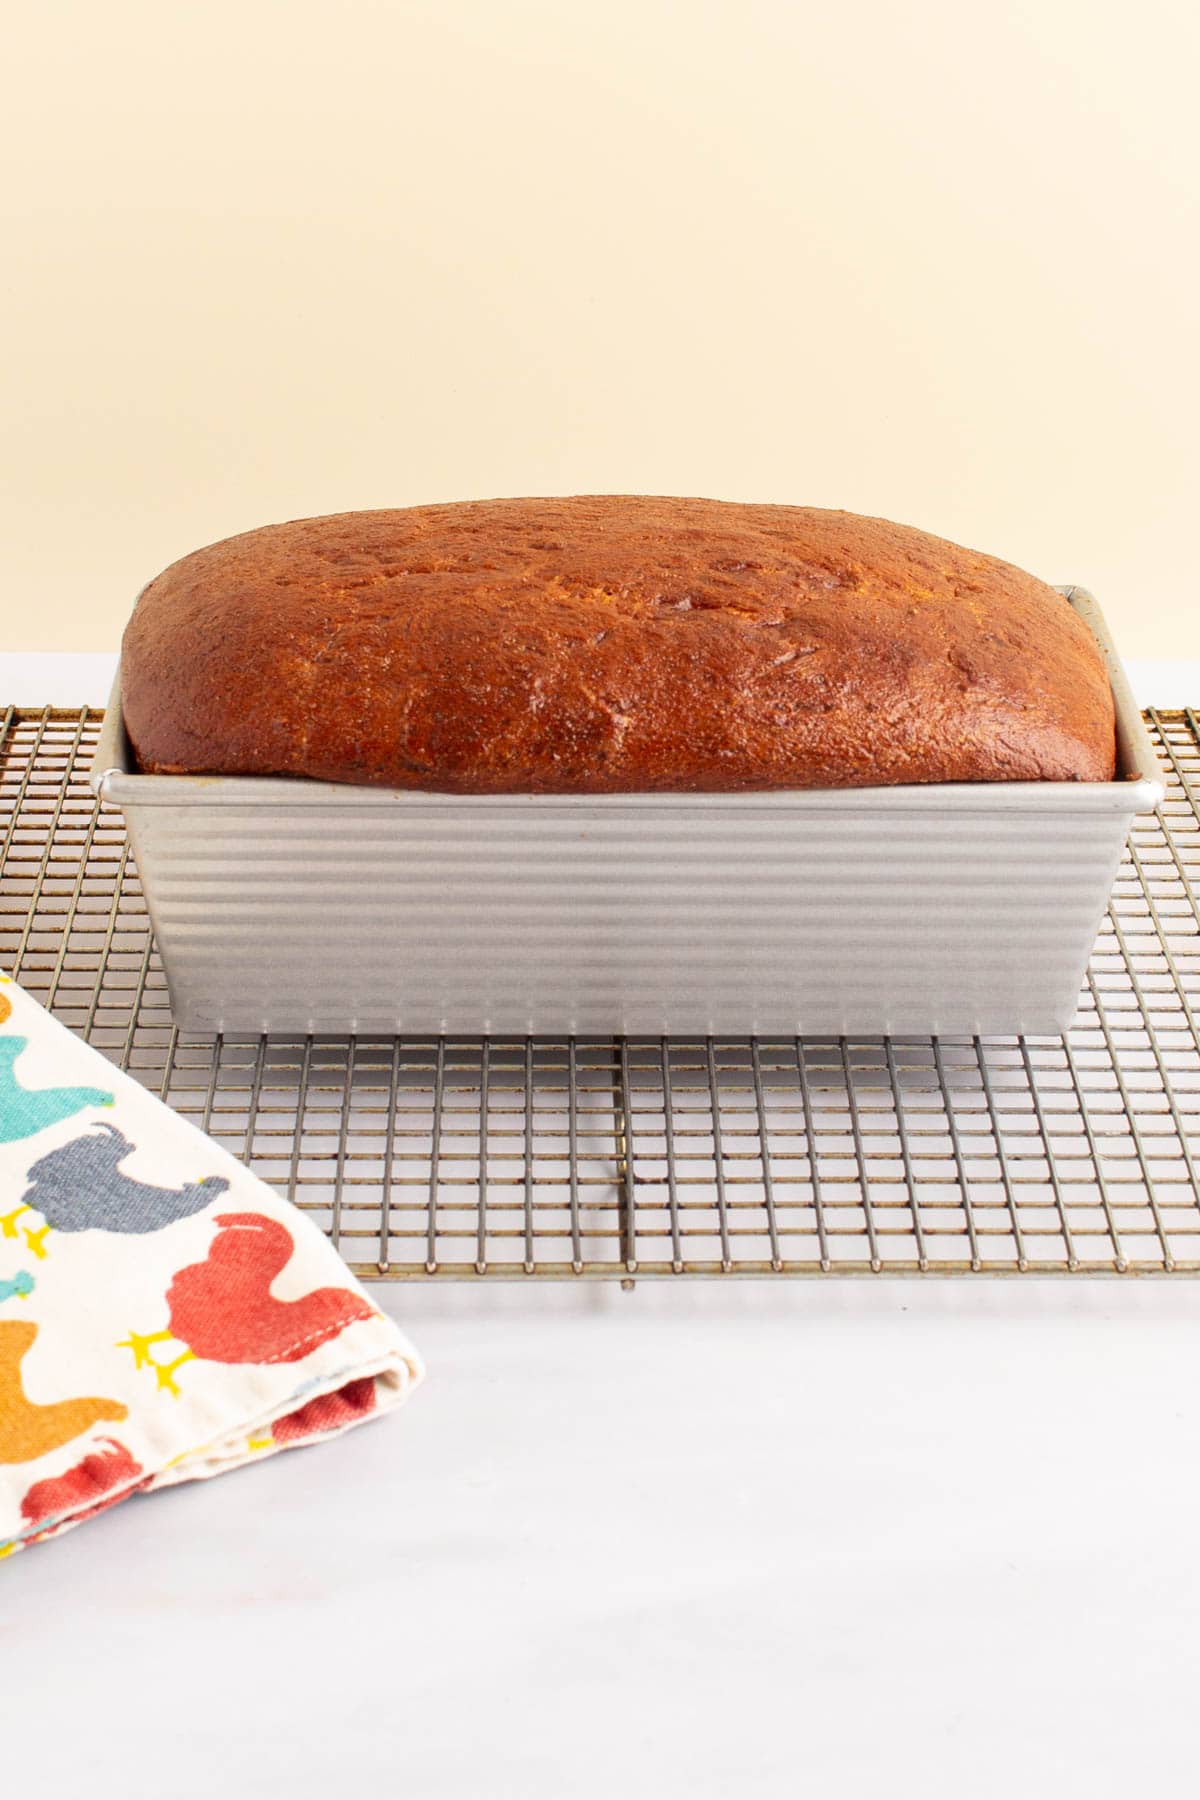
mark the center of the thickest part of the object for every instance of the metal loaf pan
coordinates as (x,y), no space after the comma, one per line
(306,906)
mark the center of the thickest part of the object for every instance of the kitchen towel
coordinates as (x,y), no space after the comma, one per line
(163,1315)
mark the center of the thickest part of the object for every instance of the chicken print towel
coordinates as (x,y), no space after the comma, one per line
(163,1315)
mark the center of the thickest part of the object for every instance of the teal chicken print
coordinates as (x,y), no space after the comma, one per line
(26,1111)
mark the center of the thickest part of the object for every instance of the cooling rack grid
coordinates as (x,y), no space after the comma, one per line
(533,1158)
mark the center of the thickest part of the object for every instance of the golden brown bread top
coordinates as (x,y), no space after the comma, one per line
(609,644)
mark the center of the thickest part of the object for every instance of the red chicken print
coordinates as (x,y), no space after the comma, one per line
(222,1310)
(88,1485)
(328,1412)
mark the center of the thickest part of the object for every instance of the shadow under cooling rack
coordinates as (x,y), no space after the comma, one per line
(525,1158)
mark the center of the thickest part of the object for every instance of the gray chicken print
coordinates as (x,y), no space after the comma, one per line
(80,1187)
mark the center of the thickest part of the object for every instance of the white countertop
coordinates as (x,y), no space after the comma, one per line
(838,1538)
(842,1539)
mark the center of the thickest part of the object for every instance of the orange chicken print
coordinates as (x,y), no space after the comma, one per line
(27,1429)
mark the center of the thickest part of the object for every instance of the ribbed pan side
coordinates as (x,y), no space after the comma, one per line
(472,920)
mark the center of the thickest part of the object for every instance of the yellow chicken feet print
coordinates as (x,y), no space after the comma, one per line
(140,1342)
(35,1239)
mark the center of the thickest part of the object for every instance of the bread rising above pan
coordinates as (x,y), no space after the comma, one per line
(610,644)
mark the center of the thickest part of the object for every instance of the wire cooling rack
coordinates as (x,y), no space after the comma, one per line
(529,1157)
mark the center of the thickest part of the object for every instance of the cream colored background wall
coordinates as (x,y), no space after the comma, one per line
(936,260)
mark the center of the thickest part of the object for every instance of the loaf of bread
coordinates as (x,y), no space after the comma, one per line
(610,644)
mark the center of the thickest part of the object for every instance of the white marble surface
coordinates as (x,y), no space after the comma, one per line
(863,1539)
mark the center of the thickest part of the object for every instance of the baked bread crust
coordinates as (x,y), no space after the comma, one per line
(608,644)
